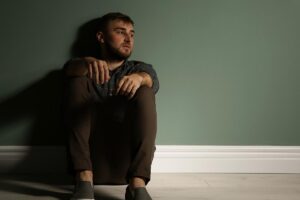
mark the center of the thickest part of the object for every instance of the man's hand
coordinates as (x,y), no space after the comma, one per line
(98,70)
(129,84)
(88,66)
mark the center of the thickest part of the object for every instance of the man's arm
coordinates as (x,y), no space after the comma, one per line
(150,75)
(77,66)
(91,67)
(147,80)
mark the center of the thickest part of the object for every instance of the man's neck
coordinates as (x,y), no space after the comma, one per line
(114,64)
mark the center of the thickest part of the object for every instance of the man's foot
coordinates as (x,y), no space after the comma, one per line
(138,193)
(83,190)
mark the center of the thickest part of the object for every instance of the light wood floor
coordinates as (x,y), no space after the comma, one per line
(188,186)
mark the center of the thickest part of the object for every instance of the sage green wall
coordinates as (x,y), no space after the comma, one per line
(229,69)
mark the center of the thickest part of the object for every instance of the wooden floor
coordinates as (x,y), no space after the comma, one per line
(164,186)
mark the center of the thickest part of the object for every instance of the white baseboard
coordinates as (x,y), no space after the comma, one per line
(167,159)
(227,159)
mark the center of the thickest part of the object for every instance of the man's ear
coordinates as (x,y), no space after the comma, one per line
(100,36)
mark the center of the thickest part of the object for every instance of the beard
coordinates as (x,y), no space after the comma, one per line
(115,54)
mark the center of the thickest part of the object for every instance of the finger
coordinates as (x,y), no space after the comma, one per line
(90,69)
(101,72)
(120,84)
(96,72)
(129,90)
(106,72)
(125,86)
(133,91)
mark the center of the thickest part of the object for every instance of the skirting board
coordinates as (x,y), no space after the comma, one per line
(167,159)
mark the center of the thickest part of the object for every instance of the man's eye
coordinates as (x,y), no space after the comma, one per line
(120,32)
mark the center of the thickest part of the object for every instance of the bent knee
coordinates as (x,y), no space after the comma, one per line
(144,92)
(78,85)
(78,82)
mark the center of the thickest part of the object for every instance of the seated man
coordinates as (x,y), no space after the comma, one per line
(101,94)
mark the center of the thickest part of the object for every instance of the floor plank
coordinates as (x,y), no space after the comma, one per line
(163,186)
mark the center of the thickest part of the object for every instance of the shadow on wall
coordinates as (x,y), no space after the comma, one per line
(86,43)
(42,103)
(42,100)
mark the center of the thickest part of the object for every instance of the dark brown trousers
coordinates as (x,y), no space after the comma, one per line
(112,136)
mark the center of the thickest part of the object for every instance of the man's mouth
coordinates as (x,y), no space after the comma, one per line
(127,46)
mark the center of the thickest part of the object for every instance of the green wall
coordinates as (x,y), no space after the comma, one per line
(229,70)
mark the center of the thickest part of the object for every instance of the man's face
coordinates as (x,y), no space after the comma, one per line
(119,39)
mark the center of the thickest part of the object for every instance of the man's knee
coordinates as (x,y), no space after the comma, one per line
(144,92)
(78,90)
(78,81)
(79,84)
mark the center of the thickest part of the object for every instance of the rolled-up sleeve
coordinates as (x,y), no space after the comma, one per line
(148,68)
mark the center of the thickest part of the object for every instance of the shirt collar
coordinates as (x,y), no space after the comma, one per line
(124,65)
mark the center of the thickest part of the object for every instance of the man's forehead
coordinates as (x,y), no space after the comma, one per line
(117,23)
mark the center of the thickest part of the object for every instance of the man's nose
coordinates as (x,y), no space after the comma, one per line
(127,38)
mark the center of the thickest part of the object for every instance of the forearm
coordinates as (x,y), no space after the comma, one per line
(77,66)
(147,80)
(148,69)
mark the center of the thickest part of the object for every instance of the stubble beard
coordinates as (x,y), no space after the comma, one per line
(115,54)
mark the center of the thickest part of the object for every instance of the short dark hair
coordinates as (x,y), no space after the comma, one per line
(105,19)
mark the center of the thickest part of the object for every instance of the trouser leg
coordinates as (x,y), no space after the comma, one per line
(143,127)
(78,116)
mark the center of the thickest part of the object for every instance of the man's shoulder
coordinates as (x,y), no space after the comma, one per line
(137,63)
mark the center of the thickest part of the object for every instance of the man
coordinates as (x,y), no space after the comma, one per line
(111,100)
